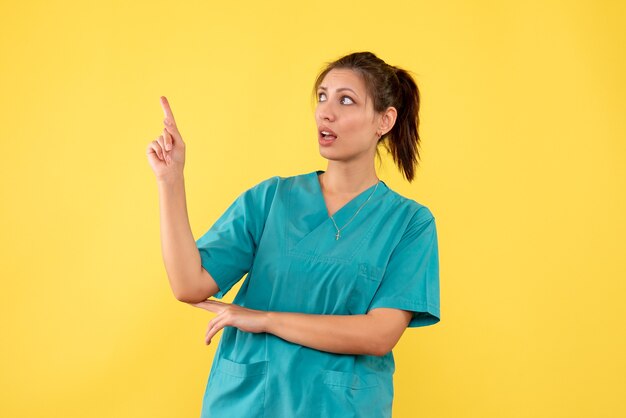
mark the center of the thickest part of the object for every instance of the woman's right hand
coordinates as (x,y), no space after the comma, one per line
(166,154)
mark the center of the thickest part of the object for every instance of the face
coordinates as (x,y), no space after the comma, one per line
(344,108)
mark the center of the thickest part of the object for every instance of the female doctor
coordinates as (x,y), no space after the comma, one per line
(338,264)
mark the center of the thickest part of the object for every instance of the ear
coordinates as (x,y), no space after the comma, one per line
(388,120)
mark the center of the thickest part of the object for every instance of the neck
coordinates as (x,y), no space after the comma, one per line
(343,179)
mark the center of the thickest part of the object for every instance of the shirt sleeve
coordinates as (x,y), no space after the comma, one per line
(411,278)
(228,248)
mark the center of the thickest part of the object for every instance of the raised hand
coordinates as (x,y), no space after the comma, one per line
(166,154)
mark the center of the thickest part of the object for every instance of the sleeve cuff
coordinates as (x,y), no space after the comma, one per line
(424,313)
(219,274)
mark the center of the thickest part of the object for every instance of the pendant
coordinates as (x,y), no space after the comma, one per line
(337,236)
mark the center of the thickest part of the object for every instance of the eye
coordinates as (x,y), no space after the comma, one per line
(348,97)
(342,97)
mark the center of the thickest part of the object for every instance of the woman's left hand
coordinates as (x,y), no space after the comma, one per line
(229,314)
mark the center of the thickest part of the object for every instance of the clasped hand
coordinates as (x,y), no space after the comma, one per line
(229,314)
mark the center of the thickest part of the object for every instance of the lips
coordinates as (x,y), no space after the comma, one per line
(326,133)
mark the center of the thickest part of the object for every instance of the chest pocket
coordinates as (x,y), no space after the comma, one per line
(365,285)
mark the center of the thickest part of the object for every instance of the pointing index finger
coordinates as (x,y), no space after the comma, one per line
(167,110)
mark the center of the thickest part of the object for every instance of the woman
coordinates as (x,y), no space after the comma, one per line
(338,265)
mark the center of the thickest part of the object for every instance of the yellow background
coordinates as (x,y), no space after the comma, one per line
(523,165)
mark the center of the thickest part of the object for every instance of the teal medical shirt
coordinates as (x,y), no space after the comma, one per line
(280,234)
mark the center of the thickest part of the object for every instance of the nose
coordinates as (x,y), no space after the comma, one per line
(325,111)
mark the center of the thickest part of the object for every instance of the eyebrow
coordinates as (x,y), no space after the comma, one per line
(340,89)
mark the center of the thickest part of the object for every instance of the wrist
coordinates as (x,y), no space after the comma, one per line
(170,180)
(268,320)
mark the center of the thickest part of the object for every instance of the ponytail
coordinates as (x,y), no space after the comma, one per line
(404,136)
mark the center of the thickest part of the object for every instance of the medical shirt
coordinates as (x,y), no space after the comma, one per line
(279,233)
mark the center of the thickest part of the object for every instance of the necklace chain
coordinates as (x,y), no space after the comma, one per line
(339,229)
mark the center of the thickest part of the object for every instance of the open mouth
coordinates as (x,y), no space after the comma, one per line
(327,135)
